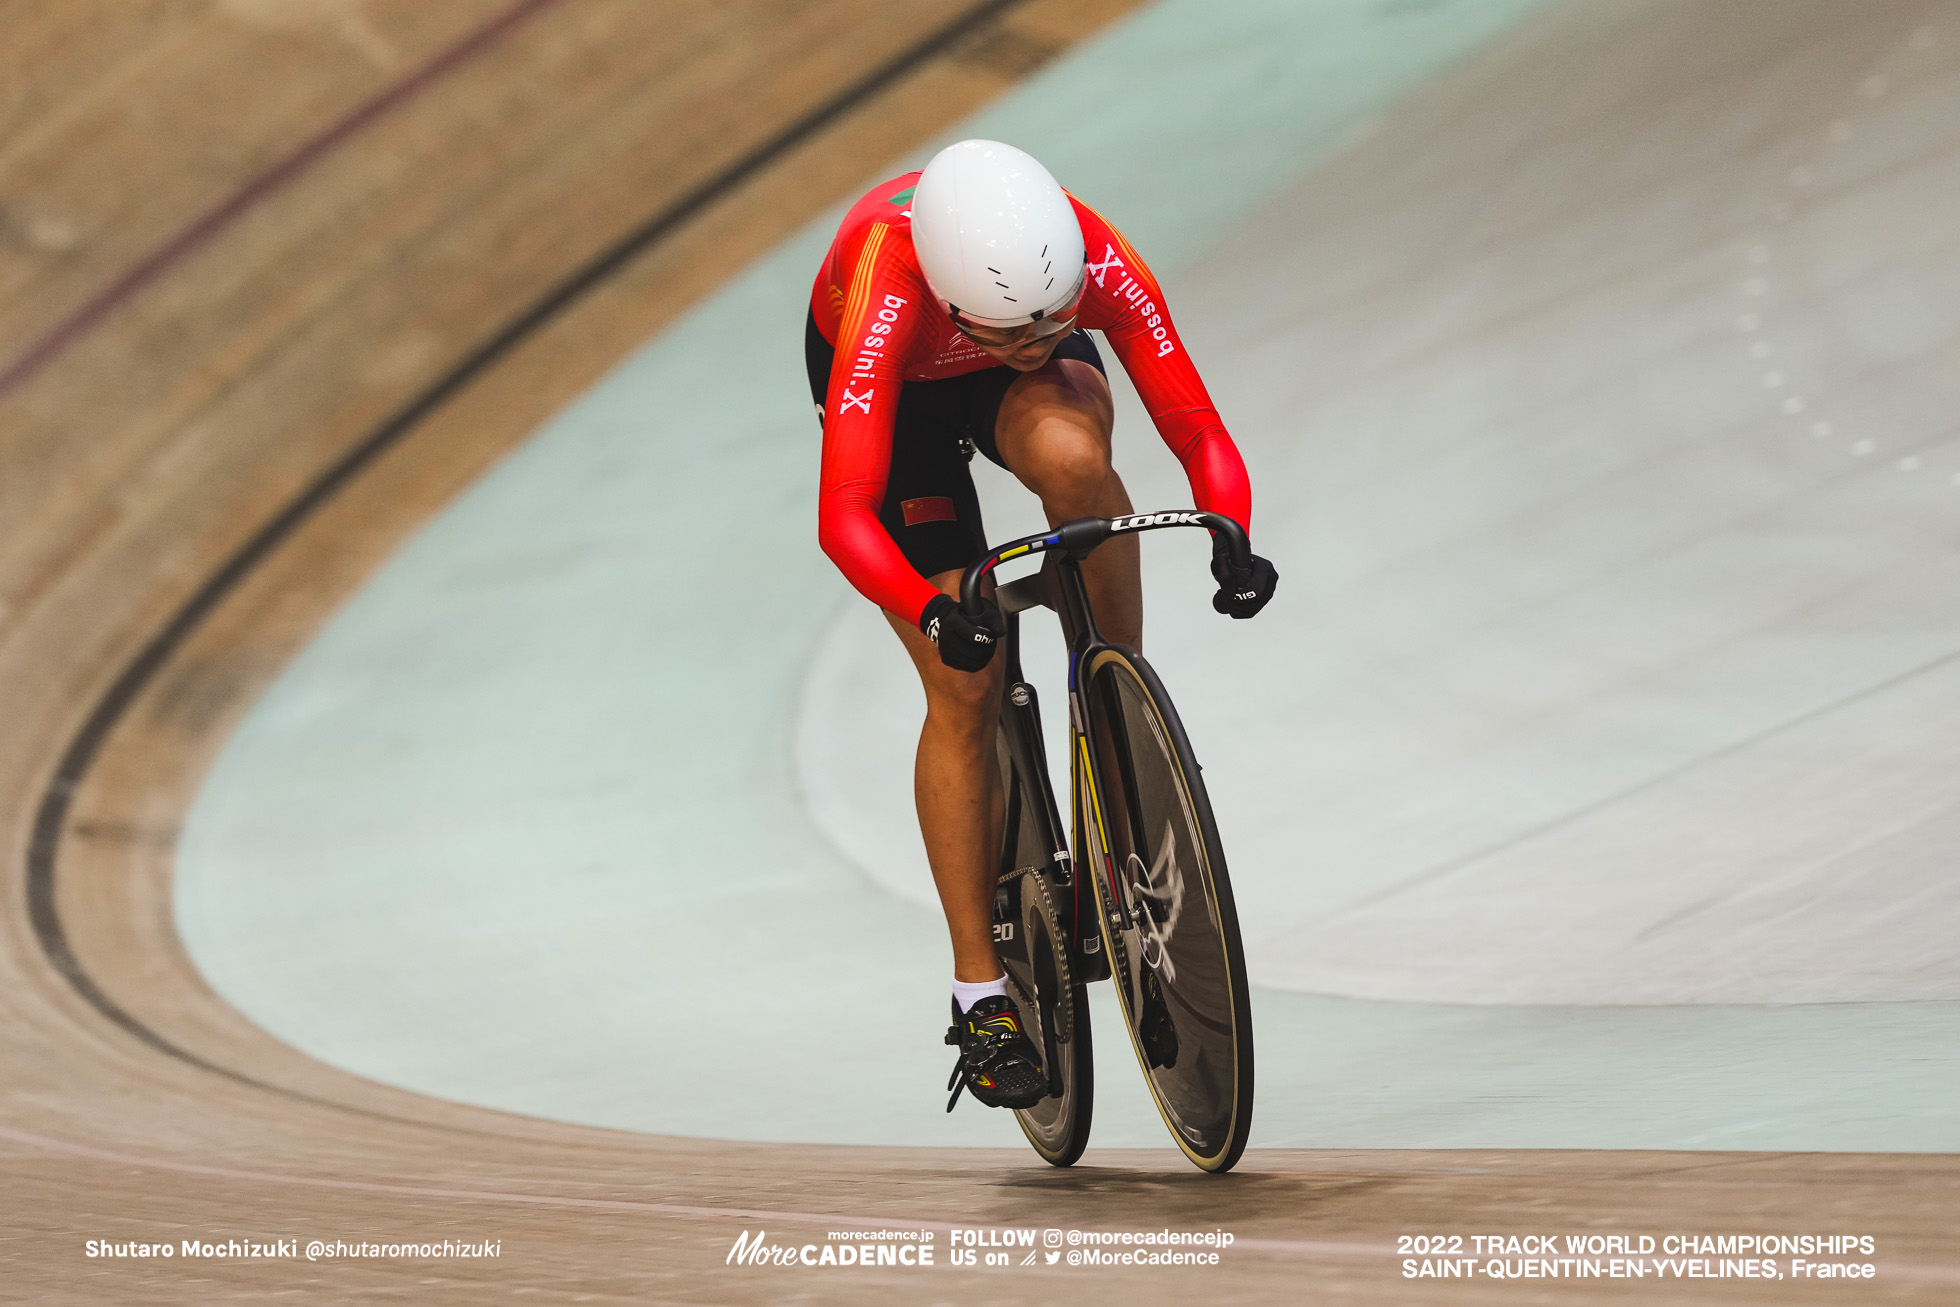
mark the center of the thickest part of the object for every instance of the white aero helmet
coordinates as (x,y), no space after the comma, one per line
(996,237)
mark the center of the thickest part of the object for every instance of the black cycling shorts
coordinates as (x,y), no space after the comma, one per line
(930,508)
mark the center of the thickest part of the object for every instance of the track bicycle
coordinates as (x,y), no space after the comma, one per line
(1144,899)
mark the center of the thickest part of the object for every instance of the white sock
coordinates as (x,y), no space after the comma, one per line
(967,995)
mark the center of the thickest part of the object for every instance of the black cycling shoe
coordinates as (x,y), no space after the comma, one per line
(998,1062)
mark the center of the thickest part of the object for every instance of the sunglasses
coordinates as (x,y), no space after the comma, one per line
(1052,324)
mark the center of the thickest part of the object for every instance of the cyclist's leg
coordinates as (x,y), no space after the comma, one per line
(933,515)
(956,782)
(1053,432)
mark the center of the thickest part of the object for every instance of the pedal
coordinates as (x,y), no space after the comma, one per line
(1155,1030)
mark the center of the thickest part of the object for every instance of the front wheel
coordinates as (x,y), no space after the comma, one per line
(1169,924)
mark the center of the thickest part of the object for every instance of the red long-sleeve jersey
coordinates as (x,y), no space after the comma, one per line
(872,304)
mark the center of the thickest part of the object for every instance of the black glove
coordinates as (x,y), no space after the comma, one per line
(1240,594)
(965,643)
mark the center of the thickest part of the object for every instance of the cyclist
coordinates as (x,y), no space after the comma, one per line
(946,318)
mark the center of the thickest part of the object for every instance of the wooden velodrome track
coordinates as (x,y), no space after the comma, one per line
(279,279)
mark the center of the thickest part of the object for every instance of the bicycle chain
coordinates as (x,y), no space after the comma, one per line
(1058,949)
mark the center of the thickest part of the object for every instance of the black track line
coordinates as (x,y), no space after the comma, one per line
(204,228)
(51,815)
